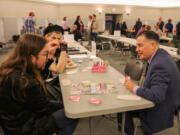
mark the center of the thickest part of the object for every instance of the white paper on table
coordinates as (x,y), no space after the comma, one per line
(78,56)
(129,97)
(72,72)
(117,33)
(122,80)
(66,82)
(93,57)
(69,38)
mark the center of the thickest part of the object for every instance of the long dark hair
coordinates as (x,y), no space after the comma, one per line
(20,59)
(77,18)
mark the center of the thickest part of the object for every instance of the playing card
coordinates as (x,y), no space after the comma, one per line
(75,98)
(95,101)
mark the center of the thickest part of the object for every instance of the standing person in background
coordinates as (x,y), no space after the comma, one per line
(94,28)
(89,29)
(30,24)
(64,24)
(160,24)
(169,26)
(123,28)
(119,25)
(79,23)
(137,26)
(76,32)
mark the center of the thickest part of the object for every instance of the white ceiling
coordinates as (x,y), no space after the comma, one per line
(150,3)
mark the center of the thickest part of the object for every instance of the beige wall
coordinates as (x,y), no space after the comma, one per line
(71,11)
(46,12)
(16,8)
(173,13)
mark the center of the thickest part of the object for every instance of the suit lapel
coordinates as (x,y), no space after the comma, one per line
(147,79)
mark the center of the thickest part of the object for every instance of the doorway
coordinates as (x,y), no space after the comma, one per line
(111,21)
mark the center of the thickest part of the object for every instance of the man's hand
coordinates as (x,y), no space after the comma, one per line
(52,46)
(129,84)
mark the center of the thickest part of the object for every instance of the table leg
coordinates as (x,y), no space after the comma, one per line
(123,123)
(91,125)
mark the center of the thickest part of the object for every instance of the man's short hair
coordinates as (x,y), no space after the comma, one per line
(54,28)
(94,15)
(151,35)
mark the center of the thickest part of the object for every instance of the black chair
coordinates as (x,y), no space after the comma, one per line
(134,69)
(123,48)
(133,51)
(2,44)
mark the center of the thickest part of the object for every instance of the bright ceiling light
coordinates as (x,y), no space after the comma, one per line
(152,3)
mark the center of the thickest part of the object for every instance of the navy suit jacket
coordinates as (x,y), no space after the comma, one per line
(161,86)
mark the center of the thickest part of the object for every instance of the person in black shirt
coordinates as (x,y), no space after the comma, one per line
(119,25)
(76,32)
(25,108)
(123,28)
(137,26)
(51,33)
(160,23)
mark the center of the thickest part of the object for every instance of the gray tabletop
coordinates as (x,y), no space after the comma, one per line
(110,102)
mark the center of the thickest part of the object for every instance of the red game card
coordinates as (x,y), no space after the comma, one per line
(75,98)
(95,101)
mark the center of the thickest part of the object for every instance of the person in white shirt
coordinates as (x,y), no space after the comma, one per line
(158,31)
(89,29)
(64,24)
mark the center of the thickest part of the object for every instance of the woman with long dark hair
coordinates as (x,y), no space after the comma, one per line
(79,23)
(25,108)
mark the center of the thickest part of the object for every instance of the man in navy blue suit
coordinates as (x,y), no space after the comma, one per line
(161,86)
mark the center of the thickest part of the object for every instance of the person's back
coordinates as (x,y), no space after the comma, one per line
(137,26)
(169,26)
(19,116)
(123,28)
(30,24)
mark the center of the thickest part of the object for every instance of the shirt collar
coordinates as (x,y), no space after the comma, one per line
(150,59)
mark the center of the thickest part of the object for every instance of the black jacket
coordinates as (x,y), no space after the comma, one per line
(78,25)
(28,115)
